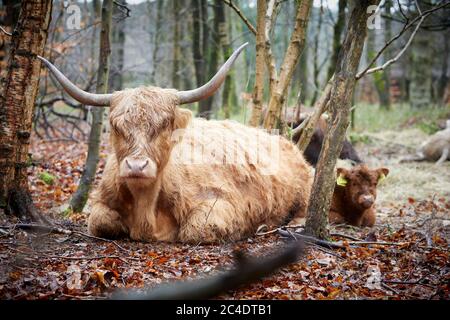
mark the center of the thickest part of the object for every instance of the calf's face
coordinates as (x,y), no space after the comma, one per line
(142,122)
(360,184)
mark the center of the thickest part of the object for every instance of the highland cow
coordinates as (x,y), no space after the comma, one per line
(312,151)
(173,178)
(355,194)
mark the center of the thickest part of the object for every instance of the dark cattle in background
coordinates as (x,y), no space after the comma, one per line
(312,152)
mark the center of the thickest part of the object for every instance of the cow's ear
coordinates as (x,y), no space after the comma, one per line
(182,118)
(341,179)
(382,173)
(342,172)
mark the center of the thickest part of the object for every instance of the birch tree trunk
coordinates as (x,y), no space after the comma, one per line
(290,61)
(341,94)
(18,93)
(260,66)
(80,197)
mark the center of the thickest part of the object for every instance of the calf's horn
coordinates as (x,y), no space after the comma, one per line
(210,87)
(92,99)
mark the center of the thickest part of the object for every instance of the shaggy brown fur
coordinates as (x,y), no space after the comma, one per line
(173,200)
(354,204)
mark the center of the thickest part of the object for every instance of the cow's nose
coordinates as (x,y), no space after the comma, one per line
(136,165)
(367,200)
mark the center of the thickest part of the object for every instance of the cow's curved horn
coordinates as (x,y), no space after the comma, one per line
(92,99)
(209,88)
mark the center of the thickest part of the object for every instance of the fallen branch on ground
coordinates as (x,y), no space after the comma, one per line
(53,229)
(338,244)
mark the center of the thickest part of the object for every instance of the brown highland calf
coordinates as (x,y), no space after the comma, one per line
(173,178)
(355,194)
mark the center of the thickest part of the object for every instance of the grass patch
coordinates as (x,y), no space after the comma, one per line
(372,118)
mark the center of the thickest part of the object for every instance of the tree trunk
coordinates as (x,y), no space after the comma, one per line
(258,89)
(176,45)
(337,32)
(380,79)
(339,105)
(442,82)
(200,38)
(117,52)
(316,70)
(290,61)
(80,197)
(227,50)
(18,93)
(420,68)
(213,62)
(9,14)
(157,39)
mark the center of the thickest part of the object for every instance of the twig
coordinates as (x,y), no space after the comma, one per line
(338,244)
(91,258)
(241,15)
(61,231)
(336,234)
(323,243)
(410,283)
(390,288)
(9,34)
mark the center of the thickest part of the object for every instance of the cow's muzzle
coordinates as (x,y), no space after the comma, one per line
(138,168)
(366,200)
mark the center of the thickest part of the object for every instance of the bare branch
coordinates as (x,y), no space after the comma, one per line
(420,18)
(241,15)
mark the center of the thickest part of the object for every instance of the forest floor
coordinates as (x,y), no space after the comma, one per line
(407,256)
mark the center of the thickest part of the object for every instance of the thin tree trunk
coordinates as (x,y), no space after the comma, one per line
(290,61)
(258,89)
(117,53)
(213,62)
(200,38)
(339,105)
(337,32)
(176,45)
(227,50)
(380,79)
(18,93)
(316,55)
(157,39)
(442,82)
(80,197)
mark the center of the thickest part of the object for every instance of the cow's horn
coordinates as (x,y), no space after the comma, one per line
(92,99)
(209,88)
